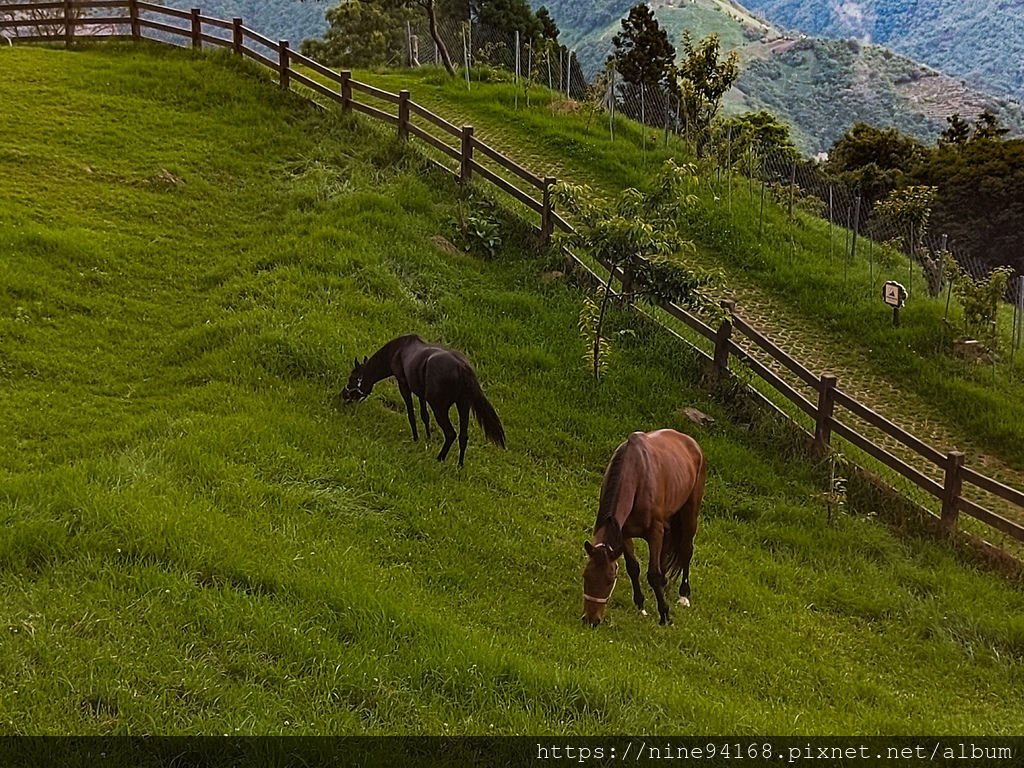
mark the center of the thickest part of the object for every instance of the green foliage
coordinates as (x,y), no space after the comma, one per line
(639,234)
(909,208)
(479,229)
(761,133)
(703,78)
(642,52)
(980,201)
(361,34)
(597,347)
(874,160)
(980,301)
(506,17)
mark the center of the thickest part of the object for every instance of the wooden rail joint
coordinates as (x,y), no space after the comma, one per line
(403,115)
(952,485)
(346,90)
(466,171)
(823,420)
(282,64)
(547,219)
(720,361)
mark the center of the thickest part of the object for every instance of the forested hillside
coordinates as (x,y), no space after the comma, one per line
(819,87)
(292,20)
(982,41)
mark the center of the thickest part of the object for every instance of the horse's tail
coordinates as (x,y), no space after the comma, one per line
(485,413)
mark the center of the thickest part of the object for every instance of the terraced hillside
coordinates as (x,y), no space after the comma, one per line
(195,539)
(819,86)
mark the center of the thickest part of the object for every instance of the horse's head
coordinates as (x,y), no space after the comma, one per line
(357,388)
(599,578)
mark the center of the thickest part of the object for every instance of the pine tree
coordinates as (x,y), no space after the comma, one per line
(643,54)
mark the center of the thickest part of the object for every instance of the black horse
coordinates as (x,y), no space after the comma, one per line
(439,377)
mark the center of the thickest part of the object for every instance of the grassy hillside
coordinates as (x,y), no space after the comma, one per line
(982,42)
(791,281)
(194,538)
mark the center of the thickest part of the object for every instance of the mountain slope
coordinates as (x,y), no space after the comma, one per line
(291,20)
(982,42)
(819,86)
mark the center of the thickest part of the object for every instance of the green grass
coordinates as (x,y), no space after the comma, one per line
(193,539)
(834,306)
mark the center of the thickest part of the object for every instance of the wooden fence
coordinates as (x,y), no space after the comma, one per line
(64,21)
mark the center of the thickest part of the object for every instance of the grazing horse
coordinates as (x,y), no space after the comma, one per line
(652,489)
(439,377)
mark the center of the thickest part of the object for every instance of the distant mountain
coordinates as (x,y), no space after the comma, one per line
(291,20)
(981,41)
(819,86)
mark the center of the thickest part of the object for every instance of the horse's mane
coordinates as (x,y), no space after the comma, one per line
(610,486)
(609,495)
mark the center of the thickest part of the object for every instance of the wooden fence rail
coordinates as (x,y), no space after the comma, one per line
(64,19)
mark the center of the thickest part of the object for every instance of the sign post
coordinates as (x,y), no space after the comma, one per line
(895,295)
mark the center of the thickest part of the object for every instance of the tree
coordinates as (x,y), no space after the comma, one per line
(988,126)
(760,132)
(430,7)
(505,17)
(548,29)
(910,208)
(703,79)
(361,29)
(958,131)
(360,34)
(639,234)
(873,159)
(643,54)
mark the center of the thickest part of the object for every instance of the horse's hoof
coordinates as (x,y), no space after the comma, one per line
(643,612)
(684,602)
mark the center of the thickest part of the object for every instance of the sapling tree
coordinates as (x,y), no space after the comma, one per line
(980,302)
(637,236)
(910,208)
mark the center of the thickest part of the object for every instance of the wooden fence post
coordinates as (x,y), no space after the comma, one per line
(467,154)
(283,64)
(403,115)
(236,36)
(823,422)
(69,25)
(133,14)
(547,219)
(722,339)
(197,29)
(346,90)
(951,487)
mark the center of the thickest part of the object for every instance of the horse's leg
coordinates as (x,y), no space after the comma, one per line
(463,407)
(403,388)
(684,585)
(443,421)
(655,576)
(688,517)
(426,417)
(633,569)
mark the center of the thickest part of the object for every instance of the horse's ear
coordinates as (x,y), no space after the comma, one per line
(355,362)
(588,547)
(365,360)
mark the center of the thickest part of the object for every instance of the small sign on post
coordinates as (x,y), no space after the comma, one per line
(895,295)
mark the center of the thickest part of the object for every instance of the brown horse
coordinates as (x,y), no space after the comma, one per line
(439,377)
(652,489)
